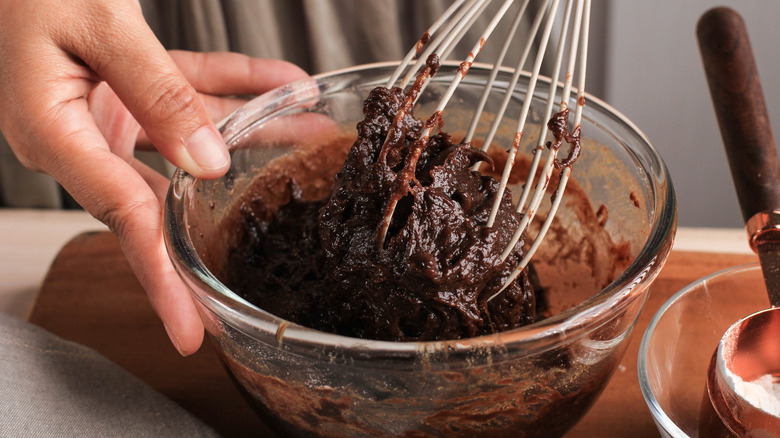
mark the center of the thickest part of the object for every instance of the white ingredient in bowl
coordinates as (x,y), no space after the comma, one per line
(762,393)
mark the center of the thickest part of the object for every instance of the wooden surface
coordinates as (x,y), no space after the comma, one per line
(91,297)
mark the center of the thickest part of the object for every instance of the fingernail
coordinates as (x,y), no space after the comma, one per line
(174,339)
(207,149)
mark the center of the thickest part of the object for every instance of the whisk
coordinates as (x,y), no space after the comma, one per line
(441,39)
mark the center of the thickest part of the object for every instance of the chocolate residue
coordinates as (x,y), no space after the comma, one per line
(559,126)
(634,199)
(602,214)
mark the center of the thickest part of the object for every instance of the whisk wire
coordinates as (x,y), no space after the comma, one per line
(428,128)
(538,151)
(580,32)
(444,35)
(472,18)
(424,41)
(494,73)
(543,181)
(449,35)
(519,132)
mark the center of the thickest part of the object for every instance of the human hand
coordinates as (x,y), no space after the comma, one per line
(82,81)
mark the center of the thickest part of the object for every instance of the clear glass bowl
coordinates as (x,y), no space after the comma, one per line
(537,380)
(679,342)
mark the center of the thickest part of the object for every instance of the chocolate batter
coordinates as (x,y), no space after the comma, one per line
(400,250)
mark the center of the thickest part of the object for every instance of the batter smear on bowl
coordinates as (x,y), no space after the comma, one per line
(400,250)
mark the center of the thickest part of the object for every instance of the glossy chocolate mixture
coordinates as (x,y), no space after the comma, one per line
(400,250)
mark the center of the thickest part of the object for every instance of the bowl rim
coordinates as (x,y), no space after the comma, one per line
(569,324)
(660,417)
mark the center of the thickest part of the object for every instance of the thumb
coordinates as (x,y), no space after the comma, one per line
(144,77)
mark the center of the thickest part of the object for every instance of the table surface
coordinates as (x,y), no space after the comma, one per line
(70,301)
(30,239)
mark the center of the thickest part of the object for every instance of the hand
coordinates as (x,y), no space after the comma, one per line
(82,81)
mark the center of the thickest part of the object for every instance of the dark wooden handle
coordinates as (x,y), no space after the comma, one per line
(740,109)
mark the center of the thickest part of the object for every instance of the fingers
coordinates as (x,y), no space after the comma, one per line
(46,118)
(118,195)
(217,107)
(55,54)
(157,183)
(223,73)
(118,45)
(220,75)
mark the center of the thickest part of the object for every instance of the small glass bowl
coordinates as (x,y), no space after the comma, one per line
(678,344)
(537,380)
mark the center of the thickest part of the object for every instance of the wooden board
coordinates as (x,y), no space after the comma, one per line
(90,296)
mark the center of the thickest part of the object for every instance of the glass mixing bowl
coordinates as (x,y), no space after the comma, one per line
(679,342)
(615,230)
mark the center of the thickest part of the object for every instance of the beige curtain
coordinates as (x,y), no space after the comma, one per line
(318,35)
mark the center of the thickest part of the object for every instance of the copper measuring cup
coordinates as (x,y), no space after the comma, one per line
(751,347)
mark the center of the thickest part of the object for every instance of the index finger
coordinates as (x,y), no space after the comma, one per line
(227,73)
(148,83)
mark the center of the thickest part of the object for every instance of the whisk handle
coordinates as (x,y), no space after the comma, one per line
(740,108)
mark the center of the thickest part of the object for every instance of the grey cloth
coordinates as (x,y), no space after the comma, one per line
(50,387)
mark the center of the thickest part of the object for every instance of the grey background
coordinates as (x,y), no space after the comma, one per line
(653,75)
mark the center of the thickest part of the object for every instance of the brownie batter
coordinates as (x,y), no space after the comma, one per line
(316,252)
(400,250)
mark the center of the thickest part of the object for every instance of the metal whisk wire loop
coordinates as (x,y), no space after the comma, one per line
(573,21)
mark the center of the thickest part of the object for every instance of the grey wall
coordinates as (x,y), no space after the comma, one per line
(653,75)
